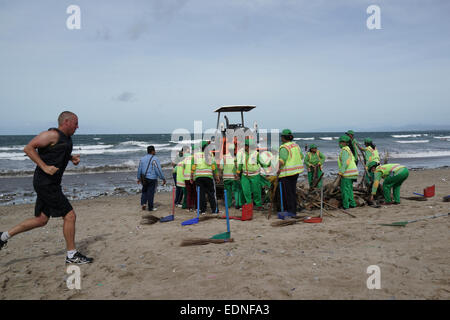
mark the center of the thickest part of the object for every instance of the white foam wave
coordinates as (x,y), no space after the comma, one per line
(423,154)
(96,138)
(12,148)
(406,135)
(13,156)
(143,144)
(93,147)
(187,141)
(311,138)
(443,138)
(326,138)
(412,141)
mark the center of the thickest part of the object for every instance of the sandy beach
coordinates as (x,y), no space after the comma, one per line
(301,261)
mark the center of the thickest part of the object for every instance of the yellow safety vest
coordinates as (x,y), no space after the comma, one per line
(352,169)
(386,169)
(294,163)
(201,169)
(250,163)
(228,167)
(180,174)
(187,167)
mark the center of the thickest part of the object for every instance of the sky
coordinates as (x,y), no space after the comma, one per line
(152,66)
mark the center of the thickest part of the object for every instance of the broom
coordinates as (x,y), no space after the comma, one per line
(287,222)
(218,238)
(202,241)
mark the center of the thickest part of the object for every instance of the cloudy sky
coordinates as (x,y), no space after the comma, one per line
(151,66)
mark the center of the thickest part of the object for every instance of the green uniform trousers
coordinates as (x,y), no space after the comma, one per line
(347,193)
(394,183)
(265,187)
(234,189)
(311,178)
(251,186)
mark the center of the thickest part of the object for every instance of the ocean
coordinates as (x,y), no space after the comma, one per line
(109,162)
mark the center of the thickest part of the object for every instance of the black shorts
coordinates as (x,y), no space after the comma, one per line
(51,201)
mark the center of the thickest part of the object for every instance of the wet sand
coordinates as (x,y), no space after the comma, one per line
(301,261)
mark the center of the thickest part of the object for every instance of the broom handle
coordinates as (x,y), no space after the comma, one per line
(226,211)
(281,196)
(429,217)
(173,200)
(198,201)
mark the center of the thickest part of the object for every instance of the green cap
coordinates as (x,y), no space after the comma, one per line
(204,143)
(344,138)
(286,132)
(371,164)
(350,132)
(313,146)
(367,140)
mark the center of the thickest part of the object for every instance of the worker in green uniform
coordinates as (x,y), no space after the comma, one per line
(290,167)
(267,173)
(348,172)
(181,194)
(353,144)
(370,151)
(204,170)
(313,161)
(393,174)
(370,154)
(248,166)
(231,185)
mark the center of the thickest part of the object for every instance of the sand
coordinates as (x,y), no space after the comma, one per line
(302,261)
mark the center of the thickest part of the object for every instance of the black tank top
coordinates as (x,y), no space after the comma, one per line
(57,155)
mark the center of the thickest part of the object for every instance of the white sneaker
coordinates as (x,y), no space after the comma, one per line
(154,209)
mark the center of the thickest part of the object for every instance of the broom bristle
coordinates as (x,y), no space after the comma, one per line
(201,241)
(208,217)
(283,223)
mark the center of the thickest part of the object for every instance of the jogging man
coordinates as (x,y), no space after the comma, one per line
(51,151)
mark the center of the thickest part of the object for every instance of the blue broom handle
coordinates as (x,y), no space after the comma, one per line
(281,195)
(198,202)
(226,211)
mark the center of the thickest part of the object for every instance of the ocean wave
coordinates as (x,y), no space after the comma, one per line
(443,138)
(423,154)
(187,141)
(406,135)
(326,138)
(13,156)
(93,147)
(12,148)
(412,141)
(311,138)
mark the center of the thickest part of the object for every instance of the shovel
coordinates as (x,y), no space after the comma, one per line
(172,216)
(283,214)
(195,220)
(404,223)
(224,235)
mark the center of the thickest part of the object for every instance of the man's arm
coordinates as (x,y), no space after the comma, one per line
(42,140)
(160,174)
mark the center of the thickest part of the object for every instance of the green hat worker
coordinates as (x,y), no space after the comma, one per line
(393,174)
(348,172)
(314,160)
(290,166)
(353,145)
